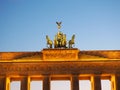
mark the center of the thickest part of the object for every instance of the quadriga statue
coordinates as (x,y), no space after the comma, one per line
(60,39)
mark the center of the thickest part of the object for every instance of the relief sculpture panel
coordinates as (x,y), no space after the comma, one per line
(60,54)
(54,67)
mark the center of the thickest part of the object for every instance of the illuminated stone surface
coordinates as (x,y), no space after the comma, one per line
(60,54)
(68,64)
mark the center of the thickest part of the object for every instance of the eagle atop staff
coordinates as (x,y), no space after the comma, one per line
(59,24)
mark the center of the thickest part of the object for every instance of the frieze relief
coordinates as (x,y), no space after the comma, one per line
(58,68)
(60,54)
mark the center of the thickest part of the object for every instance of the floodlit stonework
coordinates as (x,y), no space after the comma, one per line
(58,54)
(60,64)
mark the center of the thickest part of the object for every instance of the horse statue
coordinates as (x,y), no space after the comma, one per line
(49,42)
(71,42)
(55,42)
(64,42)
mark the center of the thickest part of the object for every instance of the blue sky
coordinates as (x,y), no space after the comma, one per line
(25,23)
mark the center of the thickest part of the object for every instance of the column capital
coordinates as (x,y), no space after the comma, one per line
(46,75)
(75,75)
(96,74)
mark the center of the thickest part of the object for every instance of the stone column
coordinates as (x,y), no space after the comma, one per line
(74,82)
(7,83)
(25,83)
(2,83)
(115,82)
(46,82)
(95,82)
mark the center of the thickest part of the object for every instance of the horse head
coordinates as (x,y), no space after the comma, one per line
(73,37)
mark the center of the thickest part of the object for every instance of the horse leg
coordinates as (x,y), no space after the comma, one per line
(50,45)
(70,44)
(47,45)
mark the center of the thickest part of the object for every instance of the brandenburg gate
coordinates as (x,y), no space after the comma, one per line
(61,62)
